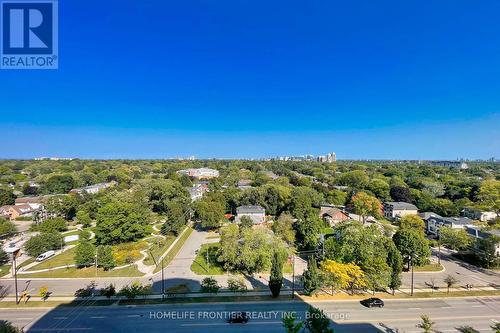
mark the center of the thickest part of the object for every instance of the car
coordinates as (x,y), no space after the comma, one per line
(373,302)
(238,318)
(45,255)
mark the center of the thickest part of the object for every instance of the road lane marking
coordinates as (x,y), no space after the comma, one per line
(414,308)
(97,317)
(60,318)
(133,316)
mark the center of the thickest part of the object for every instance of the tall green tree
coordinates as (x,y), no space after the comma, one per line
(311,277)
(85,254)
(121,221)
(276,278)
(105,258)
(395,262)
(413,246)
(7,197)
(316,321)
(365,205)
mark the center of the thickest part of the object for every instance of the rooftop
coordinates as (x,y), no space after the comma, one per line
(250,209)
(401,205)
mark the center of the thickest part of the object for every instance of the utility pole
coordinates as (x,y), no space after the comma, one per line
(208,263)
(96,261)
(293,277)
(411,263)
(162,282)
(15,273)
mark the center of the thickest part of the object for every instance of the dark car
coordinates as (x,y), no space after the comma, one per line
(238,318)
(373,302)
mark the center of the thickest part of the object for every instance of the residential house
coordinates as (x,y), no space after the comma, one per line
(477,233)
(434,221)
(256,213)
(33,202)
(244,184)
(13,212)
(92,189)
(394,210)
(332,214)
(197,190)
(478,214)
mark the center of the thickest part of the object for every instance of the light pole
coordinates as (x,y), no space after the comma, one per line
(293,276)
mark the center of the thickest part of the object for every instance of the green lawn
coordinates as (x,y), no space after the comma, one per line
(175,249)
(429,268)
(158,250)
(88,272)
(26,262)
(200,265)
(4,269)
(63,259)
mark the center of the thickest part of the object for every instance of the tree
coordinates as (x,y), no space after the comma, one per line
(134,289)
(412,222)
(7,227)
(356,179)
(426,324)
(7,327)
(290,325)
(401,193)
(176,218)
(335,275)
(450,281)
(105,258)
(83,217)
(7,197)
(380,188)
(108,291)
(276,278)
(283,228)
(58,184)
(413,246)
(64,206)
(311,277)
(245,223)
(455,239)
(308,232)
(43,242)
(85,254)
(489,195)
(229,247)
(395,262)
(55,224)
(365,205)
(209,285)
(316,321)
(496,327)
(43,292)
(236,285)
(3,256)
(121,221)
(210,210)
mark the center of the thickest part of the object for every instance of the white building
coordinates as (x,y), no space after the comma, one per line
(93,189)
(477,214)
(433,222)
(200,173)
(256,213)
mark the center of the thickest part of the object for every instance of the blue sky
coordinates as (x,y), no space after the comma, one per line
(154,79)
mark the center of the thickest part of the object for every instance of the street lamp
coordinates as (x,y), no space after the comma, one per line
(15,252)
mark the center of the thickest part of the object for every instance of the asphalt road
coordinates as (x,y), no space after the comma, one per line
(346,316)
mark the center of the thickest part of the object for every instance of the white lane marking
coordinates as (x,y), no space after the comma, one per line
(414,308)
(477,306)
(60,318)
(133,316)
(97,317)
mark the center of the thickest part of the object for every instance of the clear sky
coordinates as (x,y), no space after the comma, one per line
(159,78)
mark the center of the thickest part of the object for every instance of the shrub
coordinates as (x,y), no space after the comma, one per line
(108,291)
(209,285)
(236,285)
(85,254)
(135,289)
(52,225)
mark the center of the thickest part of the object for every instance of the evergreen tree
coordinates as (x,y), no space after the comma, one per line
(311,277)
(276,278)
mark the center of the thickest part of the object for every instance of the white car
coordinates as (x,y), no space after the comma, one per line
(45,255)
